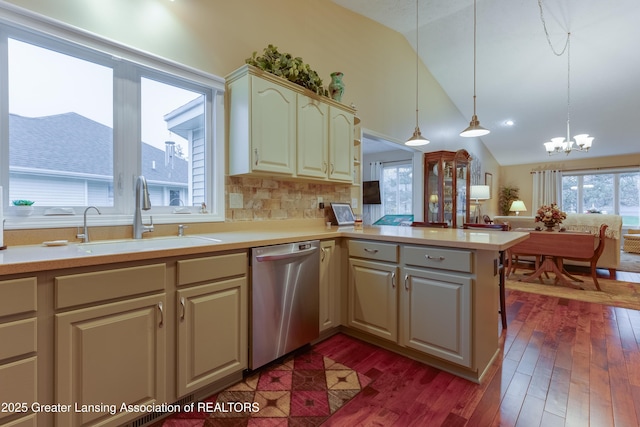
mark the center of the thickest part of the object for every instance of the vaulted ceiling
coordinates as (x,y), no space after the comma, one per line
(519,78)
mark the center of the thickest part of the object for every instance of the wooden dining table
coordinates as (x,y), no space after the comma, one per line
(550,247)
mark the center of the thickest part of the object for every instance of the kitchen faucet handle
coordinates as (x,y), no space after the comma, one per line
(149,228)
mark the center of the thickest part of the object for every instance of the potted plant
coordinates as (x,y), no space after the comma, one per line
(23,207)
(286,66)
(507,196)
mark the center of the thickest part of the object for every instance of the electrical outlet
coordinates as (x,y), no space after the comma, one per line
(320,199)
(236,201)
(354,203)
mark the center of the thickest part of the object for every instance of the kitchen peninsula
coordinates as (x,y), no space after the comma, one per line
(70,312)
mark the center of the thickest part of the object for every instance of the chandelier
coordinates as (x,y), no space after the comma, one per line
(558,144)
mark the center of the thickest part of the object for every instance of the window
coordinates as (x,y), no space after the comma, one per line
(607,192)
(397,190)
(83,123)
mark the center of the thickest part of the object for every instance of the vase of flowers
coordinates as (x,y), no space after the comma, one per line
(550,215)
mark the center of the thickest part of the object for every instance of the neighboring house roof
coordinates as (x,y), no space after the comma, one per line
(76,145)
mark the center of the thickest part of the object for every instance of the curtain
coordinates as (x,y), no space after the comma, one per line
(547,188)
(375,212)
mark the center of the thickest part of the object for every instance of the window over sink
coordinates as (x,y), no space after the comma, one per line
(83,122)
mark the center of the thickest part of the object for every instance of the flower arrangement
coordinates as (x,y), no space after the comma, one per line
(550,215)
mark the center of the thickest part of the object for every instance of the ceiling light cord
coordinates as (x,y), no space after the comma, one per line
(417,62)
(417,138)
(474,128)
(584,141)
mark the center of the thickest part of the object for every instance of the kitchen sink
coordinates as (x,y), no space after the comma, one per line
(106,247)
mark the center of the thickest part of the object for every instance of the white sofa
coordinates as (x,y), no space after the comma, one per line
(610,258)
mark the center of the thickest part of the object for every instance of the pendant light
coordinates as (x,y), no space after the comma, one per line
(474,128)
(417,138)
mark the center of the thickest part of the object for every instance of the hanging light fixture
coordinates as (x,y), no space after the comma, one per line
(474,128)
(417,138)
(558,144)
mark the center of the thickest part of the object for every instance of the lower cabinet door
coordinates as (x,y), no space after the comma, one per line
(373,298)
(436,314)
(18,385)
(328,286)
(109,356)
(212,333)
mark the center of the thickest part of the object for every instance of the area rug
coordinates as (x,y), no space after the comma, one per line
(303,390)
(629,262)
(614,292)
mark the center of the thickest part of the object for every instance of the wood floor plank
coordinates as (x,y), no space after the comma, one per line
(531,412)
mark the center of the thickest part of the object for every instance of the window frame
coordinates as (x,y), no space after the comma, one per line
(615,172)
(397,164)
(129,65)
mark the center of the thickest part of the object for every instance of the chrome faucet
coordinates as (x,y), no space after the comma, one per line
(142,204)
(85,234)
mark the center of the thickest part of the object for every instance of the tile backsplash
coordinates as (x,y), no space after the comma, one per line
(254,199)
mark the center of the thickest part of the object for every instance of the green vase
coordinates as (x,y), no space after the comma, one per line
(336,87)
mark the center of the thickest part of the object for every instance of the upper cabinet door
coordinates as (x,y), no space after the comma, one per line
(340,145)
(313,138)
(273,127)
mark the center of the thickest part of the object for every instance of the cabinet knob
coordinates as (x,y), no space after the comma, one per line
(371,251)
(184,308)
(406,281)
(437,258)
(393,279)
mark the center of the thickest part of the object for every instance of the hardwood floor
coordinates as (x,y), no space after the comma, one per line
(562,363)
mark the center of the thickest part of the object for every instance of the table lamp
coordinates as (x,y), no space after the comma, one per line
(517,206)
(479,192)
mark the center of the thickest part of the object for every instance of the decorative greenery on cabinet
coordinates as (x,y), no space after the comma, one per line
(286,66)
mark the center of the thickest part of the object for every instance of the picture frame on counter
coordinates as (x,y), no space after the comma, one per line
(343,214)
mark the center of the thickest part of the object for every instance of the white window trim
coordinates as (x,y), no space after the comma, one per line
(28,21)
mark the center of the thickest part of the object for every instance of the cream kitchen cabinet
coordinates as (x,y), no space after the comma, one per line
(110,352)
(325,147)
(313,137)
(329,286)
(262,126)
(372,288)
(435,302)
(340,145)
(18,351)
(279,128)
(212,320)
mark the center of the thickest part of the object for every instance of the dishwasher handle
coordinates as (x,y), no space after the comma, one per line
(286,255)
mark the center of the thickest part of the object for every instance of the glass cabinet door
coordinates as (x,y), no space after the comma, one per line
(448,185)
(462,213)
(433,193)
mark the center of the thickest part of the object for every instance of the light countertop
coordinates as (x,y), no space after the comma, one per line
(35,258)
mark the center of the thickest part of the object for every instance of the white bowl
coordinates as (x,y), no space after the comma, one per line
(24,210)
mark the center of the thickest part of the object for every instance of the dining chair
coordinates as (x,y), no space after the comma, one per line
(593,260)
(501,265)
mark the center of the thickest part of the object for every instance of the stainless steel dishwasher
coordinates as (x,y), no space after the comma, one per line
(284,299)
